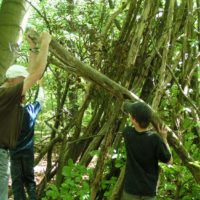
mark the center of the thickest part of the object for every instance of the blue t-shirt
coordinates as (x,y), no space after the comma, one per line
(144,151)
(25,142)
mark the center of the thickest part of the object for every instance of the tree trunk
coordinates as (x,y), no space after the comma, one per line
(13,19)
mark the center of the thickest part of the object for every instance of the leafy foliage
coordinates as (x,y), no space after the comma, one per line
(177,183)
(74,186)
(76,110)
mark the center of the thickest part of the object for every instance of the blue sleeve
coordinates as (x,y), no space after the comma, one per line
(34,109)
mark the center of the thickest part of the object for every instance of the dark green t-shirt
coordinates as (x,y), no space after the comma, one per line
(144,150)
(11,114)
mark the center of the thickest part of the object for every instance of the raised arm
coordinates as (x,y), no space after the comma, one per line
(38,65)
(163,134)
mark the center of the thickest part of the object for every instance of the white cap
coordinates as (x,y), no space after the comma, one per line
(15,71)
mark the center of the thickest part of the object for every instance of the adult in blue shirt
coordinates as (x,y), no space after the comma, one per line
(22,156)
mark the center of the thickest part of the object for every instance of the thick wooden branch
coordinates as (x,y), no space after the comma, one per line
(74,65)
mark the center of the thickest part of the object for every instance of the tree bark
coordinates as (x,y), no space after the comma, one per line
(13,19)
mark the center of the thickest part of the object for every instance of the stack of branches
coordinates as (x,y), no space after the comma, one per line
(151,55)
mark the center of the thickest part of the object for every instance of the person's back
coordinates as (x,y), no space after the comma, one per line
(144,150)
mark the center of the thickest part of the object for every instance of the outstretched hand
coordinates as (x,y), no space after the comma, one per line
(32,38)
(162,131)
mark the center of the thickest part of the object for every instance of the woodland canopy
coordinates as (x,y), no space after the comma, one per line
(102,53)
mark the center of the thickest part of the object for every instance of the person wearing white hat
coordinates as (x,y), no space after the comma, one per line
(18,81)
(22,156)
(16,71)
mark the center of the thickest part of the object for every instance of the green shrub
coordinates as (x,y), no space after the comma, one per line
(74,186)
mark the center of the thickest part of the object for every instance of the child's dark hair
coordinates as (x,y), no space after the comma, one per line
(140,111)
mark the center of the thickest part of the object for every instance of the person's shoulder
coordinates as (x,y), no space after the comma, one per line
(153,134)
(28,107)
(32,105)
(128,129)
(6,90)
(17,88)
(37,103)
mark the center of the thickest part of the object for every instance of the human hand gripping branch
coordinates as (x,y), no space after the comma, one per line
(163,133)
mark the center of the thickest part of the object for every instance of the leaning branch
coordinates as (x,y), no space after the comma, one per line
(120,92)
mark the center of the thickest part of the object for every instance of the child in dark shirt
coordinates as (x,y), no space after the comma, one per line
(144,150)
